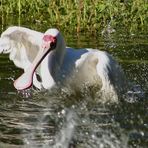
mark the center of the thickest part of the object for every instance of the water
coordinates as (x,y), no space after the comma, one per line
(58,120)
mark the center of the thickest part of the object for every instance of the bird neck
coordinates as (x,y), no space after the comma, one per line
(59,53)
(55,58)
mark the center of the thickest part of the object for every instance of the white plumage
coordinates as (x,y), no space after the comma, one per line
(62,66)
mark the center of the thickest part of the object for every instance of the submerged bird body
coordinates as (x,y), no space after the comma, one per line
(59,65)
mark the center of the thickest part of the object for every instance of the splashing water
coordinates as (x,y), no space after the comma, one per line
(43,120)
(77,126)
(65,135)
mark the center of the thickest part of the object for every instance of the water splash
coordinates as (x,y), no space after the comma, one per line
(65,136)
(135,94)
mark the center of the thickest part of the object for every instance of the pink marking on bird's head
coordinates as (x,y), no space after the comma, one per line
(50,38)
(49,41)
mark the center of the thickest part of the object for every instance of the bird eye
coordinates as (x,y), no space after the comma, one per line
(53,44)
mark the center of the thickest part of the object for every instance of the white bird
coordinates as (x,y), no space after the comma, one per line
(57,65)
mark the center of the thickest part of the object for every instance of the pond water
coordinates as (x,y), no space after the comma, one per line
(44,120)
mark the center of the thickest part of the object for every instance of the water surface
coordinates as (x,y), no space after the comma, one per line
(40,119)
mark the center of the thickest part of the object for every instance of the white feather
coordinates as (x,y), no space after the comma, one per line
(64,65)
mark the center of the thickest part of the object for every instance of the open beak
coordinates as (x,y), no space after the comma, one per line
(26,79)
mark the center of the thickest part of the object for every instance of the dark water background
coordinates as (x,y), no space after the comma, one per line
(47,120)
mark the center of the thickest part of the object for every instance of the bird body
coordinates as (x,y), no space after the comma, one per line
(59,65)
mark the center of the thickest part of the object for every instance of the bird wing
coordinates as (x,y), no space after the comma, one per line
(111,74)
(22,44)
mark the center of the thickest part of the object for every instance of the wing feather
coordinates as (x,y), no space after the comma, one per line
(22,44)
